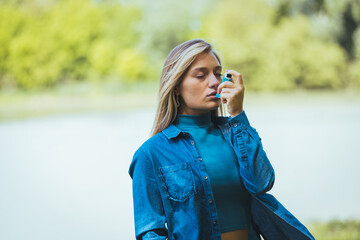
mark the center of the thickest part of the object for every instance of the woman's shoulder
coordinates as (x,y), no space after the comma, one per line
(156,142)
(153,146)
(142,155)
(151,142)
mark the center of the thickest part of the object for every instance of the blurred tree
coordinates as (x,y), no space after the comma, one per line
(133,66)
(43,43)
(118,34)
(31,51)
(350,24)
(11,22)
(74,26)
(276,44)
(274,53)
(330,18)
(166,24)
(102,56)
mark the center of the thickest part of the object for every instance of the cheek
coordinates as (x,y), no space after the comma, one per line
(192,92)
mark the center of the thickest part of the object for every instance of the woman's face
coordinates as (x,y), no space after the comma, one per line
(199,85)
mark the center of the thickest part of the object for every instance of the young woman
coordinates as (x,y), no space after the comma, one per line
(203,175)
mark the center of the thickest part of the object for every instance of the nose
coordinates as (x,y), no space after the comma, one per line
(213,82)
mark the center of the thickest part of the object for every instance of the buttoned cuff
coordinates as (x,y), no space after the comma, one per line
(239,122)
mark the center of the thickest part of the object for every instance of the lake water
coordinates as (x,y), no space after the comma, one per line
(65,177)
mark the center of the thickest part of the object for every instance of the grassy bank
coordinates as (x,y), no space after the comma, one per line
(114,96)
(336,230)
(78,97)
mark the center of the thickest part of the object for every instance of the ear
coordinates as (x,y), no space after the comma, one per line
(176,90)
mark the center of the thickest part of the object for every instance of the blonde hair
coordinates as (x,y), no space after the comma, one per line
(176,65)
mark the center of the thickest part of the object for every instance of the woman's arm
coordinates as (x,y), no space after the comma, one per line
(148,209)
(255,168)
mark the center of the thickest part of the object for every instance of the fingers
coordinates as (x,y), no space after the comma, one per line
(226,90)
(238,81)
(237,76)
(226,84)
(224,97)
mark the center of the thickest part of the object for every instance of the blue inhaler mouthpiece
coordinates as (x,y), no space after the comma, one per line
(226,77)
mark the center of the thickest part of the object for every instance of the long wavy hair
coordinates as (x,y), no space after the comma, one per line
(176,65)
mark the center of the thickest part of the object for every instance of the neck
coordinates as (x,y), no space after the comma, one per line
(186,120)
(193,112)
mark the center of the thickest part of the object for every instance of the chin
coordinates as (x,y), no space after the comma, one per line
(214,107)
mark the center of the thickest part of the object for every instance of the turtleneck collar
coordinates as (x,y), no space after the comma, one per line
(183,120)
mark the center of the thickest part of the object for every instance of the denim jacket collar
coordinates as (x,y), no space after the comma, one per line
(172,131)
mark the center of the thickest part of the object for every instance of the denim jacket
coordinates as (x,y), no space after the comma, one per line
(172,193)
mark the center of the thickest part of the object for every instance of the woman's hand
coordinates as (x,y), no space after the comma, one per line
(233,93)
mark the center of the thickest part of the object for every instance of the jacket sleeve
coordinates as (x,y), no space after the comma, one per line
(148,208)
(255,168)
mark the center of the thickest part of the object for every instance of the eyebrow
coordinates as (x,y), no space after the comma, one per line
(205,68)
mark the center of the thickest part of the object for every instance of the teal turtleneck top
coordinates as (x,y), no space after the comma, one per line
(231,198)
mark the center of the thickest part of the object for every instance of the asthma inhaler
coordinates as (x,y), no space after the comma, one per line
(226,77)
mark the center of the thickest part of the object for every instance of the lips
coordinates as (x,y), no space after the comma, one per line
(213,93)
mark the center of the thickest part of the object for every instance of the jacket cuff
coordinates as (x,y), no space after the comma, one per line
(239,122)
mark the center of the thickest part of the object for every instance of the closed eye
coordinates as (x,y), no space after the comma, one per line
(218,75)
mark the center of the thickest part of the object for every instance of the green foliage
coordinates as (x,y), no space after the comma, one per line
(354,74)
(11,22)
(102,56)
(42,45)
(336,230)
(274,54)
(275,44)
(165,24)
(132,66)
(330,19)
(323,66)
(29,53)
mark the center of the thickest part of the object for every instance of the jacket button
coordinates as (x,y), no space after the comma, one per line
(200,159)
(210,201)
(205,177)
(214,222)
(192,142)
(235,124)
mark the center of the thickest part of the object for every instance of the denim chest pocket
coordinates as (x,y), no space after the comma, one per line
(179,181)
